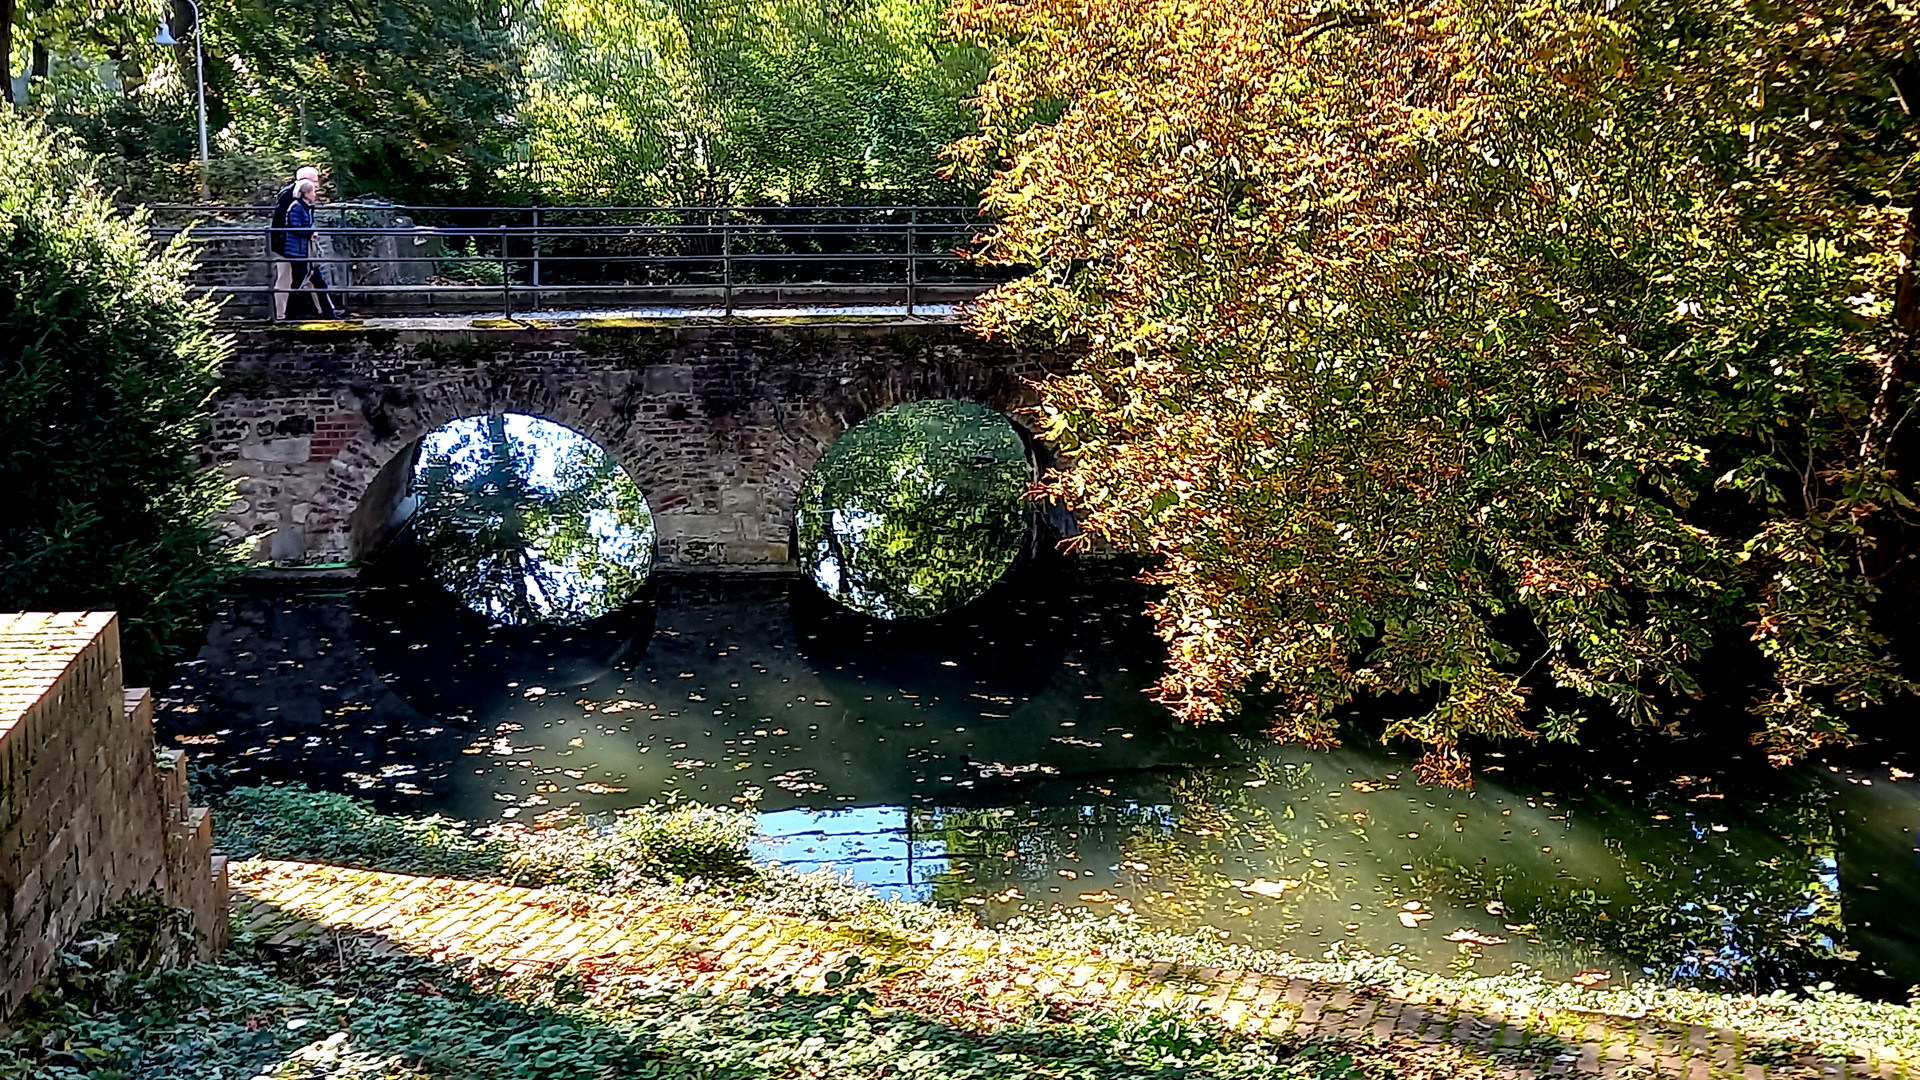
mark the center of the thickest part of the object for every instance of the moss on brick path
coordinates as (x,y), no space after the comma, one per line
(700,946)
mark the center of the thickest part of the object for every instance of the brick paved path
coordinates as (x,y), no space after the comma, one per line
(696,946)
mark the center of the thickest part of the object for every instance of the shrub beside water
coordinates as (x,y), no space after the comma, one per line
(106,367)
(609,854)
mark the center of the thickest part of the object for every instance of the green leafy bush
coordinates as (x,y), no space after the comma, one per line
(319,826)
(609,855)
(106,366)
(644,844)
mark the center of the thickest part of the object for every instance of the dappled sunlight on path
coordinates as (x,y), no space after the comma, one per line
(687,944)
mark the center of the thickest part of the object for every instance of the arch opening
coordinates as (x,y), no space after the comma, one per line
(522,520)
(916,511)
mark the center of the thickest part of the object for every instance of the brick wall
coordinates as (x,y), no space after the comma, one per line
(90,811)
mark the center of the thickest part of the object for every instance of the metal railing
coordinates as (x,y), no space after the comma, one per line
(518,260)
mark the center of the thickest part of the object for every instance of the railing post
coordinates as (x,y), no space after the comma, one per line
(913,259)
(506,278)
(726,258)
(536,254)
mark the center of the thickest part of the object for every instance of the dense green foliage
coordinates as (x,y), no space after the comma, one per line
(917,510)
(403,97)
(645,844)
(705,101)
(454,101)
(105,371)
(407,98)
(1468,353)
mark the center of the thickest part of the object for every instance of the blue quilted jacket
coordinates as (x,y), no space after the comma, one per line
(299,230)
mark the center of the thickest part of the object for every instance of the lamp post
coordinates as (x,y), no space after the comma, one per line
(165,37)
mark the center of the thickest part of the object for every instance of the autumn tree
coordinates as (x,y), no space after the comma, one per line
(1403,326)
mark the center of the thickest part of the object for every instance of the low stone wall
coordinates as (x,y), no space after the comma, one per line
(90,810)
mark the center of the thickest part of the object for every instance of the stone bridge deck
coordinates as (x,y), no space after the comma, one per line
(685,945)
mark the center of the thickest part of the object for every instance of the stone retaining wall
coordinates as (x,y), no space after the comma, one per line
(90,810)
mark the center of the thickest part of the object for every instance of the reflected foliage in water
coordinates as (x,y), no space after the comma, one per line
(528,522)
(916,511)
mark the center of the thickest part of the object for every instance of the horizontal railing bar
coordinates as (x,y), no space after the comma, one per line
(749,229)
(214,208)
(496,290)
(495,260)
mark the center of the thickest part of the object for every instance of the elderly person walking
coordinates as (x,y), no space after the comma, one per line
(277,240)
(302,245)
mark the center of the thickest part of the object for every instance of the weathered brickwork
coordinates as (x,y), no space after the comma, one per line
(608,943)
(90,811)
(718,424)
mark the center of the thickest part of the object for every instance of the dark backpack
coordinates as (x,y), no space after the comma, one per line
(277,231)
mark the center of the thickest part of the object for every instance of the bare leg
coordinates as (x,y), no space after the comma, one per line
(282,285)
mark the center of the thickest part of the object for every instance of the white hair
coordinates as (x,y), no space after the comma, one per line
(304,188)
(307,172)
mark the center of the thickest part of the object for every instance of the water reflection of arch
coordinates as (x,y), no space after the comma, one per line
(1876,827)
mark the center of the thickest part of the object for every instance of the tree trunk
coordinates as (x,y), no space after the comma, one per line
(6,49)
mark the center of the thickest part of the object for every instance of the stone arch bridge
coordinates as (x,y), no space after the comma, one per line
(717,423)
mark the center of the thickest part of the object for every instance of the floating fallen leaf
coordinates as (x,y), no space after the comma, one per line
(1412,919)
(1137,866)
(973,900)
(1273,890)
(576,742)
(1101,897)
(534,692)
(1592,978)
(691,763)
(1412,905)
(1364,785)
(1475,937)
(1009,896)
(1495,907)
(1901,774)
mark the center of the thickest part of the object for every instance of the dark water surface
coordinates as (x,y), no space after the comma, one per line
(1007,757)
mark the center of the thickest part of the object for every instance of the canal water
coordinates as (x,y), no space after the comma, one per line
(1005,757)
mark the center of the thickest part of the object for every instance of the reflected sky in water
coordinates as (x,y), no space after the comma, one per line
(916,511)
(528,522)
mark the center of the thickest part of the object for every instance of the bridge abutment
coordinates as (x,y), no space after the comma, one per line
(717,424)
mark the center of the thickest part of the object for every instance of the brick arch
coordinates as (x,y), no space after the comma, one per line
(355,508)
(717,426)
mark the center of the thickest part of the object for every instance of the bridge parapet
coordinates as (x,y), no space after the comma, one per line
(389,260)
(718,424)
